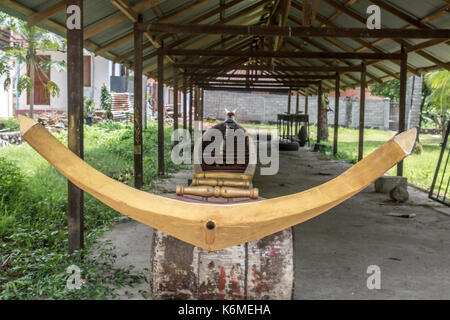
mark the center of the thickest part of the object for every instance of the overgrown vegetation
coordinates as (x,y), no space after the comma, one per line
(106,101)
(435,97)
(33,219)
(11,124)
(418,168)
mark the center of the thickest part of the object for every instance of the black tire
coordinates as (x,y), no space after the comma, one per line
(289,146)
(303,136)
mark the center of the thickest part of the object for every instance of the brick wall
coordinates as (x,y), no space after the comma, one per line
(263,108)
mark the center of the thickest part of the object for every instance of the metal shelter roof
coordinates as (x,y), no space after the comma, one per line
(109,25)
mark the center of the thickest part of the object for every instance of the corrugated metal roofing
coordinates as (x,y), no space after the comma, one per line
(98,12)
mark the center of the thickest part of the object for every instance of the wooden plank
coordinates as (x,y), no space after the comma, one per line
(337,93)
(268,90)
(75,206)
(307,13)
(48,12)
(118,18)
(284,54)
(258,83)
(115,43)
(126,10)
(56,27)
(198,67)
(402,102)
(258,86)
(362,109)
(399,14)
(279,76)
(300,31)
(161,168)
(138,141)
(194,21)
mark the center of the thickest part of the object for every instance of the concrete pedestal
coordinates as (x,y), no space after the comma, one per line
(386,183)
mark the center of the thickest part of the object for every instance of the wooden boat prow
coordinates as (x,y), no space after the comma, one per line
(234,223)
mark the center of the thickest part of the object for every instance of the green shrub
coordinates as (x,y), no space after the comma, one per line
(11,180)
(11,188)
(33,219)
(11,124)
(106,101)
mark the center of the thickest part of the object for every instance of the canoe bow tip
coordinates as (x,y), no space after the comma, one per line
(406,140)
(25,124)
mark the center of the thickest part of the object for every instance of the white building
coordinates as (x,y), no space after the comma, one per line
(97,71)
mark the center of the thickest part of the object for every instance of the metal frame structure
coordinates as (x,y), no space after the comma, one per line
(441,171)
(195,42)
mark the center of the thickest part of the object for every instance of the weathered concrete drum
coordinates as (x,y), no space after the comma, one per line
(256,270)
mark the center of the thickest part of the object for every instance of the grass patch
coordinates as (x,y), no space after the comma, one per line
(33,218)
(11,124)
(418,168)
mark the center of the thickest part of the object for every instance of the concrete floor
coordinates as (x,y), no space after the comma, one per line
(334,250)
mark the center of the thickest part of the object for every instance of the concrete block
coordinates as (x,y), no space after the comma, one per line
(386,183)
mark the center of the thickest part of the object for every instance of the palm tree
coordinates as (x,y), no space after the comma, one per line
(35,39)
(439,82)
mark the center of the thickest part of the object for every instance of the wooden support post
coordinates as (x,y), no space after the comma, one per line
(185,91)
(319,111)
(175,104)
(289,101)
(307,12)
(402,101)
(202,105)
(75,206)
(337,93)
(297,110)
(196,104)
(138,147)
(160,112)
(306,101)
(307,112)
(191,101)
(362,109)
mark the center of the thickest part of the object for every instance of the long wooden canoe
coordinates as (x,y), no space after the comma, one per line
(212,226)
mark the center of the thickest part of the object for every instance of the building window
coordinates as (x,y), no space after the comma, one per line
(87,71)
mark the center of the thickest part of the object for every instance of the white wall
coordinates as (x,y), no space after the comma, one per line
(99,74)
(6,100)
